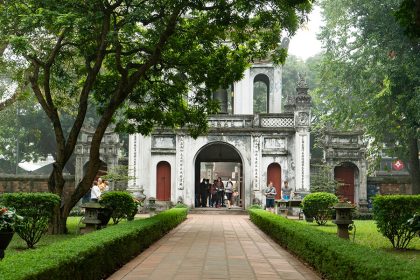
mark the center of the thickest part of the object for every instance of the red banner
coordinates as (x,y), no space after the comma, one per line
(398,165)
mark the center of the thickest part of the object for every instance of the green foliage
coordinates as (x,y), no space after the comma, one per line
(8,219)
(331,256)
(118,174)
(146,64)
(391,213)
(414,223)
(408,16)
(122,204)
(36,210)
(181,205)
(370,78)
(255,206)
(78,257)
(322,180)
(292,68)
(317,205)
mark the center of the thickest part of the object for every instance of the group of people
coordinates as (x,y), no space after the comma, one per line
(216,194)
(99,186)
(270,194)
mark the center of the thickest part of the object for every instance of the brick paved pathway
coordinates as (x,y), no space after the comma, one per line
(215,247)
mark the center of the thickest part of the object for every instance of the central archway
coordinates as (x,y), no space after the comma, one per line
(220,159)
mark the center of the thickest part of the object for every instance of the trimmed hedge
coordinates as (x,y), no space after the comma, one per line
(391,213)
(331,256)
(91,256)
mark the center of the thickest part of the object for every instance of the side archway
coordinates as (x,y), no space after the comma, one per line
(261,94)
(346,174)
(163,181)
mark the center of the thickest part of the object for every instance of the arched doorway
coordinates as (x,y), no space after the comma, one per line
(345,174)
(274,175)
(220,159)
(163,181)
(261,94)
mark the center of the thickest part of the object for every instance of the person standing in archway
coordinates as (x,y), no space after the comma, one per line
(213,192)
(220,192)
(203,193)
(228,192)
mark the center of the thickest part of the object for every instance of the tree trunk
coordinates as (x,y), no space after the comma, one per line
(56,185)
(414,165)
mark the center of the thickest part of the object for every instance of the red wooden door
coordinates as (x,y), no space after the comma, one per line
(274,175)
(163,181)
(345,175)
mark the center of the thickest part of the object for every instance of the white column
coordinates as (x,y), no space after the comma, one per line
(275,103)
(243,99)
(139,162)
(180,168)
(362,181)
(302,159)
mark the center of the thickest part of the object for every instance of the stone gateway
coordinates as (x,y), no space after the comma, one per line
(251,141)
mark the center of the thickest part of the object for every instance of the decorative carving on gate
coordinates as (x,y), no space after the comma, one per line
(181,163)
(256,163)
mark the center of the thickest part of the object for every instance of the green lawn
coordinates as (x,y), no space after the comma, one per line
(368,235)
(19,245)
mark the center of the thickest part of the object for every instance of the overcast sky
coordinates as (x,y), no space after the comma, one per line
(304,44)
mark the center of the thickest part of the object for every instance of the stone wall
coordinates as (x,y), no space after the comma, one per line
(391,185)
(30,183)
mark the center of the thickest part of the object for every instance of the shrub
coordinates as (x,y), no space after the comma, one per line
(333,257)
(91,256)
(321,180)
(121,203)
(391,213)
(180,205)
(414,223)
(317,205)
(36,210)
(255,206)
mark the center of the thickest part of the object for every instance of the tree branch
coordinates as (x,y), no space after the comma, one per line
(12,99)
(87,87)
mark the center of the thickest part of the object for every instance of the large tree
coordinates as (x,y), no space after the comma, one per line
(371,77)
(157,62)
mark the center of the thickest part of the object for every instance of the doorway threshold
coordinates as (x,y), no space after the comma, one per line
(218,211)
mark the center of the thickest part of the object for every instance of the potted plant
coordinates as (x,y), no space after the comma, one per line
(8,220)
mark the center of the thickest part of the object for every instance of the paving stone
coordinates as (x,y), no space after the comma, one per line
(215,247)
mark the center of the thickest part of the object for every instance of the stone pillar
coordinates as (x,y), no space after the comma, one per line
(255,163)
(133,157)
(275,103)
(302,115)
(302,160)
(139,163)
(180,168)
(362,180)
(242,92)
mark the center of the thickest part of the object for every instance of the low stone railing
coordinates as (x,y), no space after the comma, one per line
(251,121)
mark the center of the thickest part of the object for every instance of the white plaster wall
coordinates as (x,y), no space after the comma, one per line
(139,158)
(243,101)
(275,103)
